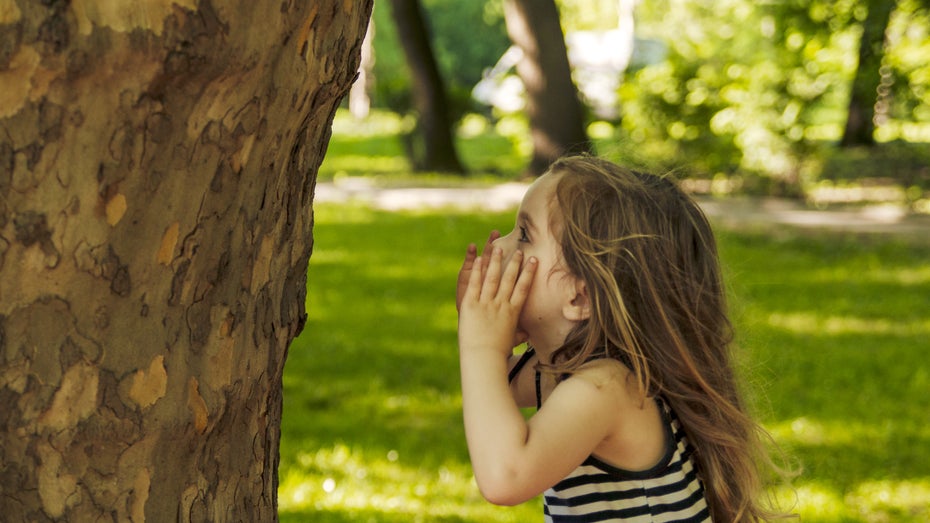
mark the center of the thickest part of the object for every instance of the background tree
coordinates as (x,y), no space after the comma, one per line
(431,145)
(157,171)
(860,118)
(557,123)
(460,55)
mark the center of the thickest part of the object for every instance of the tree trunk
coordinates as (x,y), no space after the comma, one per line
(554,110)
(860,120)
(431,147)
(157,169)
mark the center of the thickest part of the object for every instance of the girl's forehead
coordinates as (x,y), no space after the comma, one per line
(542,190)
(539,202)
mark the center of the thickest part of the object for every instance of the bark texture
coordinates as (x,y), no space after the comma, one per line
(157,168)
(552,105)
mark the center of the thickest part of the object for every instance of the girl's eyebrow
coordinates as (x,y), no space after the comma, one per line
(525,218)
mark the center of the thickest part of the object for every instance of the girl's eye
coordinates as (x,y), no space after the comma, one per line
(523,237)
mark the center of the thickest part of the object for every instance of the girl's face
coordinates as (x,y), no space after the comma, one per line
(544,317)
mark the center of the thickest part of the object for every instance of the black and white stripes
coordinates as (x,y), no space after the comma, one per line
(596,491)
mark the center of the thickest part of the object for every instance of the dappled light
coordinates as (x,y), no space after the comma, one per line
(830,329)
(887,497)
(809,323)
(355,485)
(828,275)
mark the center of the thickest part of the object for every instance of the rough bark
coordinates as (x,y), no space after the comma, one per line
(157,169)
(553,108)
(431,146)
(860,120)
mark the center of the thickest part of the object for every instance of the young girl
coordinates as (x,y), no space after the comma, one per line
(611,277)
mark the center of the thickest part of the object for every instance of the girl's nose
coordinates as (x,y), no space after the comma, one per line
(503,244)
(507,246)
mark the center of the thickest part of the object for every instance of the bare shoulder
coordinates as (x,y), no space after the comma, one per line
(605,374)
(635,438)
(604,381)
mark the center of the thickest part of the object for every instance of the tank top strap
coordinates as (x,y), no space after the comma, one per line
(524,358)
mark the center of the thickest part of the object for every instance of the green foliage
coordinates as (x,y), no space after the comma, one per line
(467,37)
(752,93)
(752,89)
(831,330)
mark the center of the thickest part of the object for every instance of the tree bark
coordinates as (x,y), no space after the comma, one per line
(553,108)
(431,147)
(860,120)
(157,169)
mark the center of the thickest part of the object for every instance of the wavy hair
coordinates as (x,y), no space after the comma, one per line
(648,257)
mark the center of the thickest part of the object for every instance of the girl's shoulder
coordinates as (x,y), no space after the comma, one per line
(613,378)
(636,438)
(603,372)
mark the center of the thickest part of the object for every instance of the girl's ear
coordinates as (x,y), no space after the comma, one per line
(578,306)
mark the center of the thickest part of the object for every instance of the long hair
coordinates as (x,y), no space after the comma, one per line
(648,257)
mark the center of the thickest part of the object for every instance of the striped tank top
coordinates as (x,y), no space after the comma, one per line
(597,491)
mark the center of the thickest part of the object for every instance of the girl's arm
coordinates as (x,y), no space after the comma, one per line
(515,460)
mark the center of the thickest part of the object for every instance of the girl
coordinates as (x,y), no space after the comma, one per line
(611,277)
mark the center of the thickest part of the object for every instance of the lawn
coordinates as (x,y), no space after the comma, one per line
(833,347)
(833,339)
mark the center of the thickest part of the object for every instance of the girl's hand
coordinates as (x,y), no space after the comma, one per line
(469,264)
(490,307)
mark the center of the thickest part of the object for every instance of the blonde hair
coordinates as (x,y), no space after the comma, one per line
(648,257)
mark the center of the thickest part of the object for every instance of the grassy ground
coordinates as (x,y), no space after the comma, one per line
(833,345)
(834,333)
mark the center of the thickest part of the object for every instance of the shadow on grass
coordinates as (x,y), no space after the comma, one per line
(832,336)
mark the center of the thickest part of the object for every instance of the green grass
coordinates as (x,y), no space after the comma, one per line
(833,339)
(372,404)
(833,336)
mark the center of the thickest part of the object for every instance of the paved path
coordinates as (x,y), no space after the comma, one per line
(735,212)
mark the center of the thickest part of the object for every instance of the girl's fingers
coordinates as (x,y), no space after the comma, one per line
(522,288)
(473,287)
(510,273)
(489,248)
(489,245)
(464,274)
(470,254)
(492,279)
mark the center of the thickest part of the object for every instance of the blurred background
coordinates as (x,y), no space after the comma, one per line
(821,105)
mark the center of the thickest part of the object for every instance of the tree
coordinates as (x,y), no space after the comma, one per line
(860,124)
(431,145)
(157,171)
(554,111)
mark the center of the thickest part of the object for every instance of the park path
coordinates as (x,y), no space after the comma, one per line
(729,212)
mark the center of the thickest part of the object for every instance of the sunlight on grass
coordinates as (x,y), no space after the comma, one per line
(377,123)
(871,500)
(345,479)
(876,272)
(812,432)
(877,501)
(819,503)
(832,330)
(813,323)
(892,500)
(365,164)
